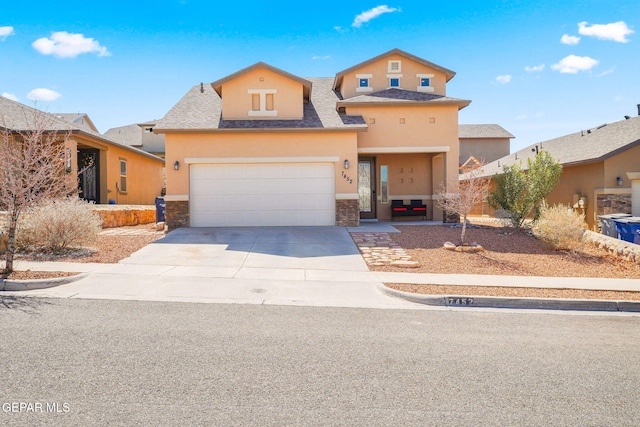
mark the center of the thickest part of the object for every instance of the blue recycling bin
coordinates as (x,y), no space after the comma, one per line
(160,206)
(628,229)
(607,225)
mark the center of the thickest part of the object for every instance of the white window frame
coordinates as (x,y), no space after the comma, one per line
(390,68)
(426,89)
(364,89)
(394,76)
(263,112)
(123,176)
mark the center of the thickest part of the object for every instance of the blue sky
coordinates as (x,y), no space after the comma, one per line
(540,69)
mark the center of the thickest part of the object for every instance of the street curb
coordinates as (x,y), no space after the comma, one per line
(29,285)
(506,302)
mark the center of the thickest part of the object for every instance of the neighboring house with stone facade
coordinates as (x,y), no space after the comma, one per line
(265,147)
(109,170)
(601,167)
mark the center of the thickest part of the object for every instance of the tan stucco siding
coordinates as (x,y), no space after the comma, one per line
(379,79)
(486,150)
(619,165)
(237,95)
(425,128)
(144,177)
(248,146)
(583,180)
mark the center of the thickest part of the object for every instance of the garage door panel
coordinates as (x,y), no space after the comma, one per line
(262,194)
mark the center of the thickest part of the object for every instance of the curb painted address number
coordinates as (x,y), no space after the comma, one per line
(459,301)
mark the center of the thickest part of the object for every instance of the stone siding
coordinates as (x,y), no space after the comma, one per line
(176,214)
(125,215)
(626,250)
(347,213)
(613,203)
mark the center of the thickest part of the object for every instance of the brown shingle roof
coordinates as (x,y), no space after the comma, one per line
(483,131)
(586,146)
(201,110)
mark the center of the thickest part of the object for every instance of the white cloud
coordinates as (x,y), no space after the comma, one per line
(504,79)
(370,14)
(6,32)
(338,28)
(572,64)
(317,57)
(42,94)
(9,96)
(68,45)
(607,72)
(616,31)
(534,69)
(567,39)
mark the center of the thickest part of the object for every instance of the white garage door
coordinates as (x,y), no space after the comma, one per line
(269,194)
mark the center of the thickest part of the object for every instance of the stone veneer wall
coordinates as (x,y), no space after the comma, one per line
(176,214)
(613,203)
(347,213)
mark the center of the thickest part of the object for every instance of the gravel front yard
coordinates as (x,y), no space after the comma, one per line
(507,252)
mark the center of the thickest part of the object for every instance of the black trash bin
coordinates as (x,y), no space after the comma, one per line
(160,205)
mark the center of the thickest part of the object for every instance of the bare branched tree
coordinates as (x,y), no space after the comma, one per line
(461,196)
(33,168)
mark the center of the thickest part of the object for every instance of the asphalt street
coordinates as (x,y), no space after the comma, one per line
(87,362)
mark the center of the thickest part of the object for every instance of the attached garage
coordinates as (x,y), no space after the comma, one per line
(261,194)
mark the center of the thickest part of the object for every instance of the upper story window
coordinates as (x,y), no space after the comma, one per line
(424,82)
(394,66)
(394,82)
(364,83)
(263,103)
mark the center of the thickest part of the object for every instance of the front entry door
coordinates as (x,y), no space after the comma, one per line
(367,188)
(88,178)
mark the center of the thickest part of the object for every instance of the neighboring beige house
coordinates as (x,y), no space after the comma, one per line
(601,168)
(265,147)
(112,171)
(139,135)
(485,143)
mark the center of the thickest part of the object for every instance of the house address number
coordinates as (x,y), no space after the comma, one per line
(459,301)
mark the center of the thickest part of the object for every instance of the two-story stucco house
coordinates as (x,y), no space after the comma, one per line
(265,147)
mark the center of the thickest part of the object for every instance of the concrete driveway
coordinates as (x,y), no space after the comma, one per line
(318,248)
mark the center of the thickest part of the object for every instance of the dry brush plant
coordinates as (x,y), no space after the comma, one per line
(32,168)
(560,227)
(58,225)
(461,196)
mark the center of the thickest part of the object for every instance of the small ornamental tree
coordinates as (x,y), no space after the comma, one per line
(520,193)
(461,196)
(32,169)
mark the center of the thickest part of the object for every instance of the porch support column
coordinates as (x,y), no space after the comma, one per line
(635,192)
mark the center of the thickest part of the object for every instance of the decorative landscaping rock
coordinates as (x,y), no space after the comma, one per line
(474,247)
(405,264)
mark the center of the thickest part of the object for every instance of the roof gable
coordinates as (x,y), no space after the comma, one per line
(306,84)
(339,76)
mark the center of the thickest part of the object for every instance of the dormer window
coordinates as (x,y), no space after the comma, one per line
(263,103)
(364,83)
(424,82)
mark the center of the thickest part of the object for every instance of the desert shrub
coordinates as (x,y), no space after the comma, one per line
(58,225)
(560,226)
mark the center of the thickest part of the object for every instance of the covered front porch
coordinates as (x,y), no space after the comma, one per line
(413,175)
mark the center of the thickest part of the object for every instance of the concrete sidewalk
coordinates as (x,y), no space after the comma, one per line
(303,286)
